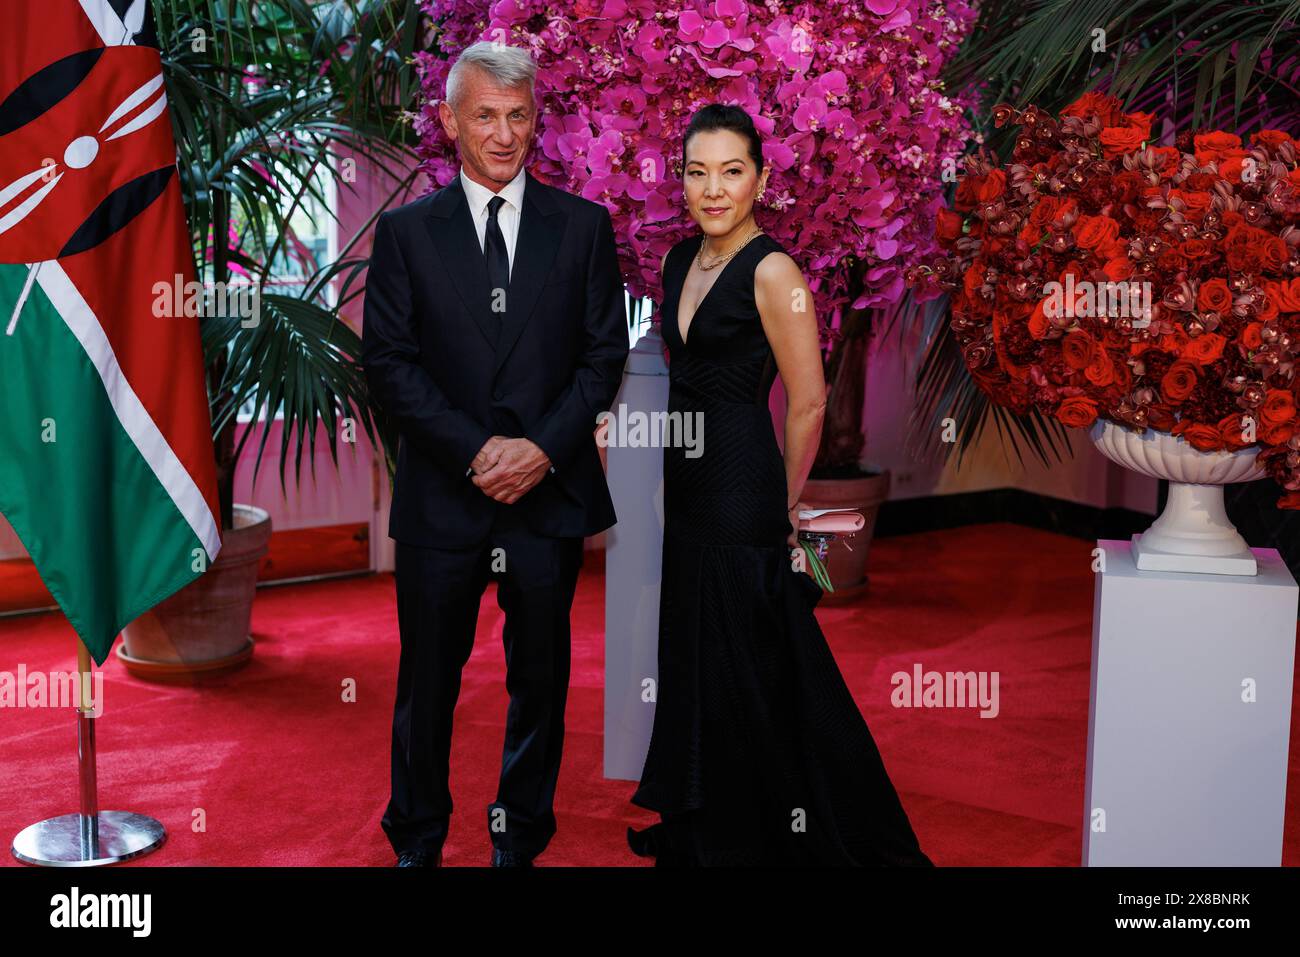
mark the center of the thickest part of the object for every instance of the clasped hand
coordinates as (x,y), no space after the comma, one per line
(505,469)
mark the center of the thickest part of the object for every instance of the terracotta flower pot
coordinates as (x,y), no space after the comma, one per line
(203,628)
(846,560)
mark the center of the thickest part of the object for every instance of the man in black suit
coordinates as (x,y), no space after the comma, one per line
(494,335)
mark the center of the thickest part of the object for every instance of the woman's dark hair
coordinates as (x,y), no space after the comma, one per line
(717,116)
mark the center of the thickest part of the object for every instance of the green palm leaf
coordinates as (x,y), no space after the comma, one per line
(264,97)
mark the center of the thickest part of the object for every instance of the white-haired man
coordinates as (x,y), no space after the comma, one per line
(494,335)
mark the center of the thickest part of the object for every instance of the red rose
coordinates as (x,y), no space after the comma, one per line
(1093,232)
(1278,408)
(1171,260)
(1273,254)
(1270,138)
(1077,349)
(948,226)
(1117,141)
(1118,269)
(1250,336)
(1277,417)
(1203,437)
(1178,382)
(990,187)
(1232,165)
(1101,370)
(1108,109)
(1231,428)
(964,200)
(1077,412)
(1126,136)
(1285,294)
(1195,201)
(1052,209)
(1277,434)
(1038,323)
(1204,349)
(1259,246)
(1044,210)
(1175,340)
(1212,146)
(1195,249)
(1214,296)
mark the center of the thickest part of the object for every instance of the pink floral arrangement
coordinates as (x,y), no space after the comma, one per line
(846,95)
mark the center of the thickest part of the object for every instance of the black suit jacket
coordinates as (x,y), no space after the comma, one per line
(431,362)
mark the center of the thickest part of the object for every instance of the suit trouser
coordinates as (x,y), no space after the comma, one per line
(438,596)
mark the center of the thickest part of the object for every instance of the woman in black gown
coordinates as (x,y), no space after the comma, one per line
(759,754)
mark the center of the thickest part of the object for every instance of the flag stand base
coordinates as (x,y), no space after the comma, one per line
(90,837)
(75,840)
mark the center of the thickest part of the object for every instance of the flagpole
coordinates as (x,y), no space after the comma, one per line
(90,837)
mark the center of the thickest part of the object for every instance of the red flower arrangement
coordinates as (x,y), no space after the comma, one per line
(1045,256)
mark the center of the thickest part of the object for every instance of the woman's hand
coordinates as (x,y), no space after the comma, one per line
(793,515)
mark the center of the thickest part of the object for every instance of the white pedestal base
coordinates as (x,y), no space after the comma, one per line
(1152,559)
(1189,714)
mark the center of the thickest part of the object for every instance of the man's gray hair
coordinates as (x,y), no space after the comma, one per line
(506,65)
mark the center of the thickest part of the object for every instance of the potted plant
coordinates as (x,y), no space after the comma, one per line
(263,97)
(1149,293)
(1144,54)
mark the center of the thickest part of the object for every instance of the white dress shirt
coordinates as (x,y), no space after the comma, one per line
(507,216)
(478,195)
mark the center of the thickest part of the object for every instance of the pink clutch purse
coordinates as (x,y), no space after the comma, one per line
(818,527)
(832,521)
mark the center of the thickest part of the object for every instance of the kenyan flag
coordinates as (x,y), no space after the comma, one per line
(106,465)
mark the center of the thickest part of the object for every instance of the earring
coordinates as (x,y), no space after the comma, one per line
(759,197)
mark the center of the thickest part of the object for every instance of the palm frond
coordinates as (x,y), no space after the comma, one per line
(264,97)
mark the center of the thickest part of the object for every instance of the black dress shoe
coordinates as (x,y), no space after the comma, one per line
(502,858)
(419,858)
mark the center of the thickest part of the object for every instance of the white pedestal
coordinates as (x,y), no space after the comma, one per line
(1189,714)
(633,562)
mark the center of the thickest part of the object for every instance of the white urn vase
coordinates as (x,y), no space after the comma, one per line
(1193,533)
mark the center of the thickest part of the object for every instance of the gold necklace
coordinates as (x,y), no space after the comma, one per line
(699,253)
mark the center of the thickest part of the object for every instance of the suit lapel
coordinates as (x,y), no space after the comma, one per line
(454,236)
(541,227)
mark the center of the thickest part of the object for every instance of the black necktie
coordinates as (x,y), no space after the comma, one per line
(498,261)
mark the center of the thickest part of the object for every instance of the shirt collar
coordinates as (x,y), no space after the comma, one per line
(478,194)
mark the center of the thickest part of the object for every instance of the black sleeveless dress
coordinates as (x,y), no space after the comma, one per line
(759,754)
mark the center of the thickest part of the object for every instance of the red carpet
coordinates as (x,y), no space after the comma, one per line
(272,766)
